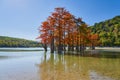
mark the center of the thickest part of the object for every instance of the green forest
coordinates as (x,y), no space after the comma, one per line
(17,42)
(108,31)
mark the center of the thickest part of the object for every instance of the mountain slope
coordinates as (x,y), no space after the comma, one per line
(17,42)
(109,31)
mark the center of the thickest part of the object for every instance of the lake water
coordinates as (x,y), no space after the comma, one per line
(37,65)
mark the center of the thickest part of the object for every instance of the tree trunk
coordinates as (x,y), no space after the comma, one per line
(69,48)
(72,47)
(52,46)
(80,47)
(77,48)
(44,46)
(60,48)
(93,47)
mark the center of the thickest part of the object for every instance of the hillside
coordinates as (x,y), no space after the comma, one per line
(17,42)
(109,31)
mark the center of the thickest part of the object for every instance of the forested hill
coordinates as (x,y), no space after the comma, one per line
(109,31)
(17,42)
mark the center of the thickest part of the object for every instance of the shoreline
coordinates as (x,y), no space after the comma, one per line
(21,49)
(18,50)
(112,49)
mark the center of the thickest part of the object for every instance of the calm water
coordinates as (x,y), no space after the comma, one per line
(37,65)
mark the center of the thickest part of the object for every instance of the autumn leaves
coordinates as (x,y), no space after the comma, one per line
(63,31)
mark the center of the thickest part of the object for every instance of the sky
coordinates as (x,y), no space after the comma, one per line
(22,18)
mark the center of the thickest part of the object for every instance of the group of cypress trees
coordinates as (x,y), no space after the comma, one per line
(63,31)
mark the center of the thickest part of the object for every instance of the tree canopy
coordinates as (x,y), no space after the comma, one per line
(17,42)
(62,29)
(108,31)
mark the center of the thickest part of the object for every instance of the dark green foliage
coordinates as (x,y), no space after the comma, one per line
(109,31)
(16,42)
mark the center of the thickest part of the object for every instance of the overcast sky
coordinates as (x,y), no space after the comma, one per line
(21,18)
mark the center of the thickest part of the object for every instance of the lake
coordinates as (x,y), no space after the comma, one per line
(37,65)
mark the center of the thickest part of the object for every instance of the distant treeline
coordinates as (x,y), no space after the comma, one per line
(16,42)
(108,31)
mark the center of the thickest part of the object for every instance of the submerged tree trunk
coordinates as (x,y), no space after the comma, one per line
(52,46)
(77,48)
(44,46)
(60,48)
(72,48)
(93,47)
(80,47)
(69,48)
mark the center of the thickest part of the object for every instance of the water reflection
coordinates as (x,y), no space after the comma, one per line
(70,67)
(19,65)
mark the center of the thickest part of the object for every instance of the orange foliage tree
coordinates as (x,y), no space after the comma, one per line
(94,40)
(62,30)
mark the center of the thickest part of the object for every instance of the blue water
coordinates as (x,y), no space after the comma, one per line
(33,65)
(20,65)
